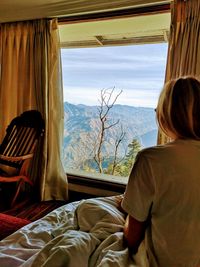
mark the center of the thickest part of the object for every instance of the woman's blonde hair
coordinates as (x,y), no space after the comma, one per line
(178,109)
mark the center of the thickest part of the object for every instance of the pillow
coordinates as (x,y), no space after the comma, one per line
(10,224)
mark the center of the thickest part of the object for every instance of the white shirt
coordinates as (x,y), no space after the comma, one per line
(165,184)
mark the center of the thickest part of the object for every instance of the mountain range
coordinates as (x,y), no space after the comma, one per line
(82,124)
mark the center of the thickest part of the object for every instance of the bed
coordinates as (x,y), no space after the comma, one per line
(86,233)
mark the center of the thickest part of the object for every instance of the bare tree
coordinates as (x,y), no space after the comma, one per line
(107,101)
(118,140)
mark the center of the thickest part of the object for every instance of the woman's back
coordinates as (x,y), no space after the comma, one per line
(162,197)
(173,236)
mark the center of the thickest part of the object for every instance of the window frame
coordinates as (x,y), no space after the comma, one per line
(91,184)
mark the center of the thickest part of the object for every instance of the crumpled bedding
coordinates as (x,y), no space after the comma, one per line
(86,233)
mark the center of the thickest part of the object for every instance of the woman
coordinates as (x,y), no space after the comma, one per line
(162,197)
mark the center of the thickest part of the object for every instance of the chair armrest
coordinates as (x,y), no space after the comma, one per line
(27,156)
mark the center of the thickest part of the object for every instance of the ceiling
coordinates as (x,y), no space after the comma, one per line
(15,10)
(116,31)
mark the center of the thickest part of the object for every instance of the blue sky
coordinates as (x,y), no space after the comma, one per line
(137,70)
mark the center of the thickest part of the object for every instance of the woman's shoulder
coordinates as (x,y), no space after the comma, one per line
(158,150)
(176,147)
(157,147)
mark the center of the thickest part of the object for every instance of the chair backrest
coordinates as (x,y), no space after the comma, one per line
(21,137)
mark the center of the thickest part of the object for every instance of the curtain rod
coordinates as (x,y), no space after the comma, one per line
(161,8)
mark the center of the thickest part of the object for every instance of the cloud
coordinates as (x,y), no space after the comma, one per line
(113,58)
(144,83)
(91,96)
(137,70)
(118,80)
(101,63)
(155,52)
(110,65)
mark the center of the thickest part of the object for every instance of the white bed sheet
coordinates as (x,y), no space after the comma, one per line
(87,233)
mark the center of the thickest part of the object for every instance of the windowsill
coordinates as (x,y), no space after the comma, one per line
(96,184)
(98,176)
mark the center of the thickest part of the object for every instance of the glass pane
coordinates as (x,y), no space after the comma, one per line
(110,94)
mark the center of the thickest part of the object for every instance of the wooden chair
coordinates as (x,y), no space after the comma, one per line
(17,149)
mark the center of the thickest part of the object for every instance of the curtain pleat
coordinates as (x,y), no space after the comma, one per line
(184,43)
(31,78)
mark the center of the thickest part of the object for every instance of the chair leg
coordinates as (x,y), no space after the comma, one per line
(17,193)
(22,179)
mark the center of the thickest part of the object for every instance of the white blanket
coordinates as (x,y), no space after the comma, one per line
(88,233)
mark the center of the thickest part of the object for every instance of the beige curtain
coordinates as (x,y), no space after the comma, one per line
(184,43)
(30,78)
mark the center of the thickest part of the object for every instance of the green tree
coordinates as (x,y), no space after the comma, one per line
(124,168)
(133,148)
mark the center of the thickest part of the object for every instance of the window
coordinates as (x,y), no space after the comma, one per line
(114,88)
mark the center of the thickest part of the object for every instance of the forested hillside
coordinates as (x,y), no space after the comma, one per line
(81,133)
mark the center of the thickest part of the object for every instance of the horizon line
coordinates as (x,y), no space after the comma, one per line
(80,104)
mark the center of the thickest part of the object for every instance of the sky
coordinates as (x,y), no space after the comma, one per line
(137,70)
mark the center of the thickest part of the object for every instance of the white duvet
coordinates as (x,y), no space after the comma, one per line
(88,233)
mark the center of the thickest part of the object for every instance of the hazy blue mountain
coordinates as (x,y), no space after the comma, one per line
(149,139)
(81,127)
